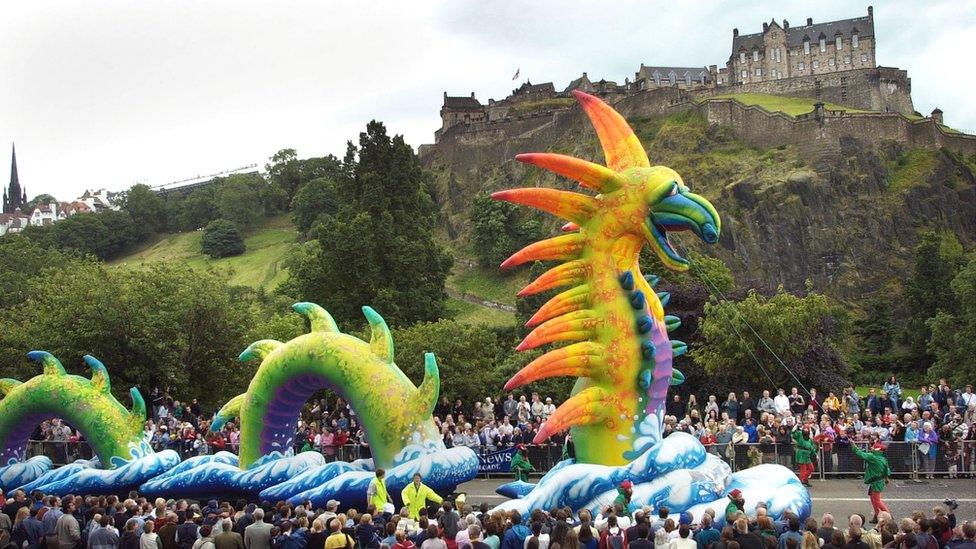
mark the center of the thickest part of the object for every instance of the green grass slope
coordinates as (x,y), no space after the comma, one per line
(260,266)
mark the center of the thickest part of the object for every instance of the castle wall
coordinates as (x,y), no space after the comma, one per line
(820,134)
(880,89)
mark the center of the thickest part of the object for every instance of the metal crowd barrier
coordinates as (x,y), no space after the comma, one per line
(833,461)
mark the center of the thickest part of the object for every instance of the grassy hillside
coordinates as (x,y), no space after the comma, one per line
(259,267)
(269,243)
(792,106)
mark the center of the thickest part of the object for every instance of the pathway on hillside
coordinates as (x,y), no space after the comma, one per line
(471,298)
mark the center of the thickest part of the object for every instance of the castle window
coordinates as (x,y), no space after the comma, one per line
(671,78)
(816,63)
(823,45)
(755,55)
(745,74)
(854,40)
(806,47)
(847,59)
(864,57)
(758,72)
(687,79)
(742,57)
(830,61)
(801,66)
(840,43)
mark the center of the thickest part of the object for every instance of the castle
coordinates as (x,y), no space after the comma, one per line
(832,61)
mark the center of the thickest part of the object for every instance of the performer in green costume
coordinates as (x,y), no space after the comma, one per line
(521,465)
(876,473)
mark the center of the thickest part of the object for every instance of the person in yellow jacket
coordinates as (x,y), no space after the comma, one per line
(416,495)
(376,493)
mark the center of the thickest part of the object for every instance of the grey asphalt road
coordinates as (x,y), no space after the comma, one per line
(840,497)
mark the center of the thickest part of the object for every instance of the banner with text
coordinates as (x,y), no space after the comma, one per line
(496,462)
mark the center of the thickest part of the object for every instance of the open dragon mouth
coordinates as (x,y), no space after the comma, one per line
(680,212)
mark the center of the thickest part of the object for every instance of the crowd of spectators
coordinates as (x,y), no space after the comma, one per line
(934,432)
(39,521)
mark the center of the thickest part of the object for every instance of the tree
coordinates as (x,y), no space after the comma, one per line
(288,174)
(804,332)
(239,198)
(938,258)
(147,210)
(378,249)
(499,229)
(21,260)
(467,356)
(167,325)
(222,238)
(953,340)
(42,198)
(315,198)
(198,208)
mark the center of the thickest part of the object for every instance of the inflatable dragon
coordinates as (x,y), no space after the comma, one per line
(620,351)
(394,413)
(618,339)
(114,433)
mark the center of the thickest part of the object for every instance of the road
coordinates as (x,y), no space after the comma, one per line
(841,497)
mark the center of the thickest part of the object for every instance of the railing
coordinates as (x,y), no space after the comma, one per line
(835,460)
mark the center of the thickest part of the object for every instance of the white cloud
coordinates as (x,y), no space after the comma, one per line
(109,93)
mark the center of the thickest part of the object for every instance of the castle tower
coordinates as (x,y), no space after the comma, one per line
(14,195)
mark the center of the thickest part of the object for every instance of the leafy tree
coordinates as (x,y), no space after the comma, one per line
(22,260)
(166,325)
(315,198)
(953,340)
(466,355)
(239,198)
(804,332)
(378,249)
(938,258)
(198,208)
(288,174)
(42,198)
(147,210)
(222,238)
(499,229)
(82,232)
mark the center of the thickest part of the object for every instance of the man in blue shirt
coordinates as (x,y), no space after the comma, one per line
(53,513)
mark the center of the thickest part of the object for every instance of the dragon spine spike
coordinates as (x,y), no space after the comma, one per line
(380,339)
(672,322)
(589,175)
(430,388)
(652,280)
(572,299)
(7,384)
(583,359)
(52,366)
(319,318)
(229,411)
(572,326)
(573,207)
(564,274)
(678,348)
(138,405)
(665,298)
(562,247)
(100,377)
(260,349)
(620,146)
(569,227)
(587,407)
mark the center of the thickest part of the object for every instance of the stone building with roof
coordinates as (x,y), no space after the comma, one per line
(650,77)
(458,110)
(784,51)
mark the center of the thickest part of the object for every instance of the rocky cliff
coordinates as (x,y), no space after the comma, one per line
(844,215)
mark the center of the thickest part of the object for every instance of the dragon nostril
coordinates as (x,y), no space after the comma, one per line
(709,234)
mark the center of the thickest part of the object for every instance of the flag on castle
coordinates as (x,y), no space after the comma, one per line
(517,71)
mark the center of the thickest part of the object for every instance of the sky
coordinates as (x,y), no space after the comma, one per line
(113,93)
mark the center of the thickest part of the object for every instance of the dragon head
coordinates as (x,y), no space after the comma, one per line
(639,201)
(672,207)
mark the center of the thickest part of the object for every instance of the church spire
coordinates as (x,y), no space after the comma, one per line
(14,193)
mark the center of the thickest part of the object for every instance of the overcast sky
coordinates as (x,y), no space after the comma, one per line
(110,93)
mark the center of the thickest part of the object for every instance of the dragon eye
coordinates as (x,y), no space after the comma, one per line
(674,189)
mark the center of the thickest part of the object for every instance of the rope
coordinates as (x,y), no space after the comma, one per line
(712,285)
